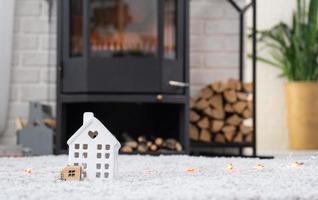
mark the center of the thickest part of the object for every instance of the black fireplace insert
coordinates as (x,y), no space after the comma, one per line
(127,61)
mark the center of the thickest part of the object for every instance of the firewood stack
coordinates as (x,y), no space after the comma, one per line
(223,113)
(145,145)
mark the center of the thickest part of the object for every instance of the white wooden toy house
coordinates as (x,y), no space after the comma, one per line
(95,149)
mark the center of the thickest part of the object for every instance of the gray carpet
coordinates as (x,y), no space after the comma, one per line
(165,177)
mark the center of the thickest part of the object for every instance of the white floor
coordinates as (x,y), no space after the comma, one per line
(166,177)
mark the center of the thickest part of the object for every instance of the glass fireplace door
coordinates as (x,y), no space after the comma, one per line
(123,28)
(122,46)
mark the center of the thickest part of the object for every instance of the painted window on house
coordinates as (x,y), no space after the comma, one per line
(84,154)
(84,165)
(71,173)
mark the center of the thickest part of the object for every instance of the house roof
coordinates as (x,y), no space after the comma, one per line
(86,124)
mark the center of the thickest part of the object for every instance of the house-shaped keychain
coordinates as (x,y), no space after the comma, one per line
(95,149)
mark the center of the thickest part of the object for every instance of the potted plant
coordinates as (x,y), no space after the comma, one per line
(293,50)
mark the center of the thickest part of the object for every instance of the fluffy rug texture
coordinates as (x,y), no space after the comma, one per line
(165,177)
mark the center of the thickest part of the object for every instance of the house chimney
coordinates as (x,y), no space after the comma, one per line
(87,117)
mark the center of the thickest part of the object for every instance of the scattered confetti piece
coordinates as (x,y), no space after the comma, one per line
(259,167)
(191,170)
(149,172)
(230,167)
(28,170)
(297,164)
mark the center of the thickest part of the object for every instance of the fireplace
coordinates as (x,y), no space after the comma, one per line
(127,61)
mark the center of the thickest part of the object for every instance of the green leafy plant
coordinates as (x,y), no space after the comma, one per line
(294,49)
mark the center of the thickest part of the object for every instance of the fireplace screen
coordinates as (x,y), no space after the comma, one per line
(124,28)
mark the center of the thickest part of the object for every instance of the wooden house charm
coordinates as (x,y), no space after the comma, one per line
(71,173)
(95,149)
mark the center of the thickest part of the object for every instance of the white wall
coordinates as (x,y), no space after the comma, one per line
(33,62)
(272,132)
(214,42)
(6,29)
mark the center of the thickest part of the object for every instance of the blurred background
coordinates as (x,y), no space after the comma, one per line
(28,59)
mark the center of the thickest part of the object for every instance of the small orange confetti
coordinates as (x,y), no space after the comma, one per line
(191,170)
(297,164)
(149,172)
(28,170)
(230,167)
(259,167)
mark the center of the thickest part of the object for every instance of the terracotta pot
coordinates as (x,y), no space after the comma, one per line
(302,109)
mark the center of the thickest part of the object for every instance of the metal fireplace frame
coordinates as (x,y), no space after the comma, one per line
(173,90)
(205,149)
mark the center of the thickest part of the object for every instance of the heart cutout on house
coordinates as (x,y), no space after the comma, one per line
(92,134)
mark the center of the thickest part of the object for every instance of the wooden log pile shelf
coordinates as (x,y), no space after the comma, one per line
(150,145)
(223,113)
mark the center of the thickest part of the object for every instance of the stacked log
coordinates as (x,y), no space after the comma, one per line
(145,145)
(223,113)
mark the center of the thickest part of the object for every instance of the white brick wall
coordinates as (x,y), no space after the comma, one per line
(214,52)
(213,42)
(33,62)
